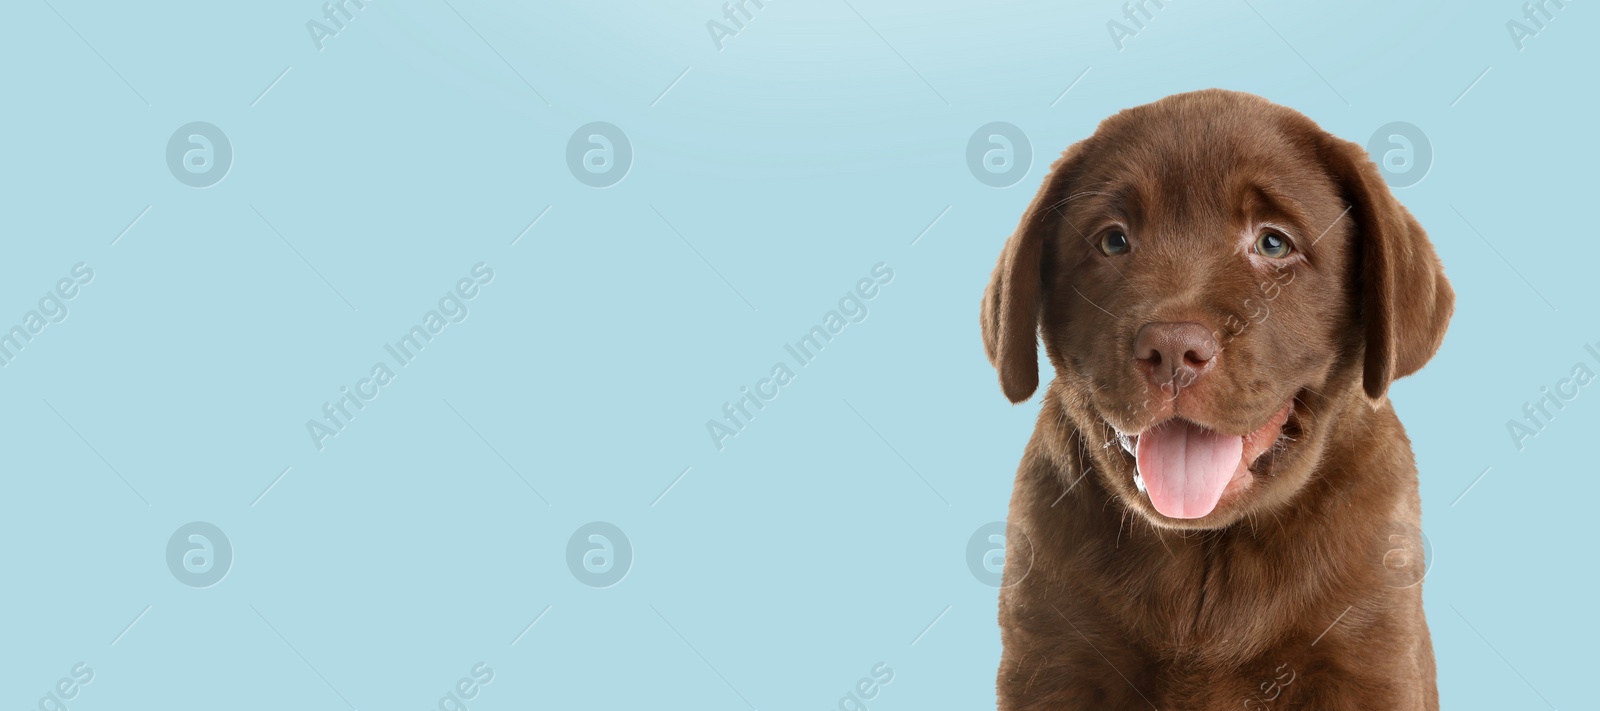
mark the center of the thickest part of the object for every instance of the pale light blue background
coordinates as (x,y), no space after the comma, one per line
(821,140)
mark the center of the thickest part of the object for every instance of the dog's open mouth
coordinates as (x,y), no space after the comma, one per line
(1186,468)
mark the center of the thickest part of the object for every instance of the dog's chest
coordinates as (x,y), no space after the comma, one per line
(1260,685)
(1218,594)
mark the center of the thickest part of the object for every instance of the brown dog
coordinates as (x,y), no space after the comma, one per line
(1218,508)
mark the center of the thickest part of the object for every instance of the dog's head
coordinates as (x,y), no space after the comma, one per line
(1212,274)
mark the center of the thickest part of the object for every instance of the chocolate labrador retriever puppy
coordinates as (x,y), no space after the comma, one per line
(1218,508)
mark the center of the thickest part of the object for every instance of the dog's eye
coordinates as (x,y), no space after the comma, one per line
(1114,243)
(1272,245)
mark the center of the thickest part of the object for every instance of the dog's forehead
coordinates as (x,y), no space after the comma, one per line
(1180,160)
(1196,145)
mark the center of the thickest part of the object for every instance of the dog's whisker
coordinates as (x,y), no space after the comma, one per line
(1123,520)
(1163,541)
(1082,193)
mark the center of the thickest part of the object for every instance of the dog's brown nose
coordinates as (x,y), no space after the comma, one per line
(1174,353)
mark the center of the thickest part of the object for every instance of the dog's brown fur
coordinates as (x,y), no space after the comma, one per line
(1301,591)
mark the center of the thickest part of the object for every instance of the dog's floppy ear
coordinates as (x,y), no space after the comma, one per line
(1010,310)
(1404,298)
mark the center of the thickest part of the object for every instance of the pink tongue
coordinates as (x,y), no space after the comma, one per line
(1185,467)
